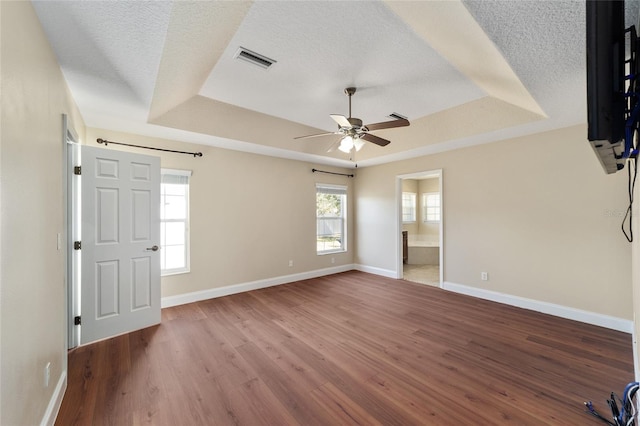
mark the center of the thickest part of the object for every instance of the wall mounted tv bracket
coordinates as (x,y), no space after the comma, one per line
(632,95)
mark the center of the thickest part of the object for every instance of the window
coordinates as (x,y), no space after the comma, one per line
(174,221)
(431,207)
(331,215)
(408,207)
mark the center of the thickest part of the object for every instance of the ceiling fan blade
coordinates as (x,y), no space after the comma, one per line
(388,124)
(375,139)
(313,136)
(341,120)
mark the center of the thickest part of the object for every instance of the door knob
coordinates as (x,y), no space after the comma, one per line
(154,248)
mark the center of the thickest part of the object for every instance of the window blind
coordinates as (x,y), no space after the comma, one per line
(173,176)
(331,189)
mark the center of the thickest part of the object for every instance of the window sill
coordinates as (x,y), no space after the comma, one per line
(322,253)
(174,272)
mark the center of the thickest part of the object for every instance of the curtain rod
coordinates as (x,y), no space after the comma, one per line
(332,173)
(106,142)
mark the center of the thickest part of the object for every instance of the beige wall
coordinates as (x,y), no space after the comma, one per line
(537,213)
(635,276)
(250,214)
(32,294)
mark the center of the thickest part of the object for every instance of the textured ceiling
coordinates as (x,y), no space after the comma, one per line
(393,67)
(464,73)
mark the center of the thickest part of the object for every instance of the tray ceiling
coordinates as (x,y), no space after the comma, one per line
(464,73)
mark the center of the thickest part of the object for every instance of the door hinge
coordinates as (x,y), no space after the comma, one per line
(77,170)
(77,321)
(77,245)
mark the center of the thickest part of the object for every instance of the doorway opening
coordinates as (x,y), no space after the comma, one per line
(420,225)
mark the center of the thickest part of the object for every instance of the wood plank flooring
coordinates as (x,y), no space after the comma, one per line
(348,349)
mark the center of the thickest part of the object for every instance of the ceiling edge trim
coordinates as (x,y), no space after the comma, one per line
(467,142)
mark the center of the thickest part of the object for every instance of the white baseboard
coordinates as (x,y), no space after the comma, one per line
(377,271)
(212,293)
(55,402)
(601,320)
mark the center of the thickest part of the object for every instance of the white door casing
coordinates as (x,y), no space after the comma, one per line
(419,175)
(120,290)
(71,149)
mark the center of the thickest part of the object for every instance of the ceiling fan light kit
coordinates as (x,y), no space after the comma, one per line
(348,143)
(353,131)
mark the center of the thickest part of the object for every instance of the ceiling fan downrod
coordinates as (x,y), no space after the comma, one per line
(349,91)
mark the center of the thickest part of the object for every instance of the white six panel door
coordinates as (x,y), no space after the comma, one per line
(120,237)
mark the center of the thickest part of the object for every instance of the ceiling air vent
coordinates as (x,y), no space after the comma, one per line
(397,116)
(254,58)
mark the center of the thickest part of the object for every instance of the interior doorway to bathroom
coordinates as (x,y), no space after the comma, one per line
(420,227)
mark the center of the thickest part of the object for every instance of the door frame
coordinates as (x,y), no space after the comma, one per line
(70,151)
(417,175)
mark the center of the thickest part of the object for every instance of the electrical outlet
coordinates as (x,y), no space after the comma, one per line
(59,240)
(484,276)
(333,260)
(47,374)
(290,263)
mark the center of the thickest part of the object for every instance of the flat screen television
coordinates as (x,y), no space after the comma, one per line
(606,101)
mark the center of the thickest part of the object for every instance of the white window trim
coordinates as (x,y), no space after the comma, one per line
(415,207)
(343,189)
(187,242)
(424,207)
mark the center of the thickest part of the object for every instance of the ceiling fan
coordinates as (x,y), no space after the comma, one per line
(353,131)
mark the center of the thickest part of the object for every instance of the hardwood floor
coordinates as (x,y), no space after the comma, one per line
(351,348)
